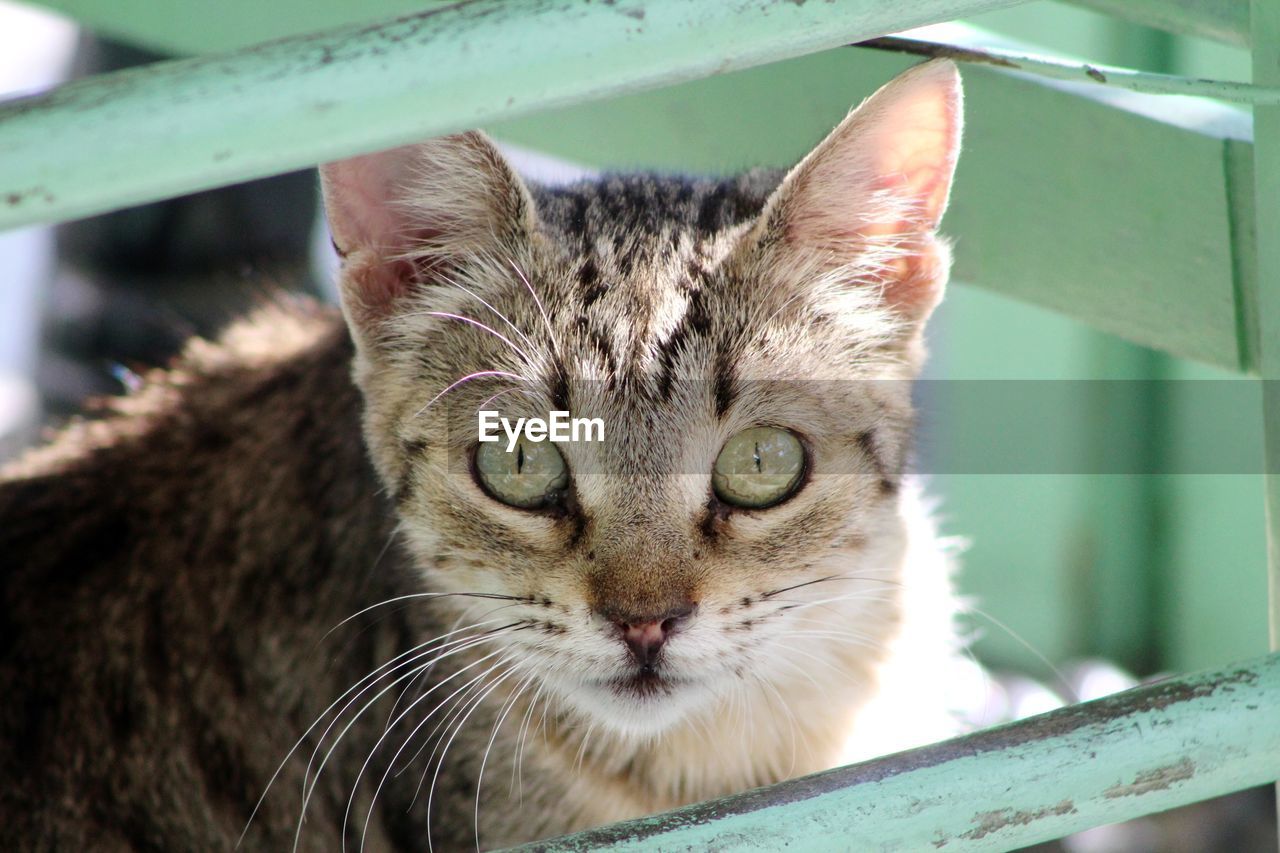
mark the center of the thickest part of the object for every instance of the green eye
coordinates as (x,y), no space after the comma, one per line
(527,476)
(758,467)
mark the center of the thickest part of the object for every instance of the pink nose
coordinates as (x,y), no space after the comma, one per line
(645,638)
(645,641)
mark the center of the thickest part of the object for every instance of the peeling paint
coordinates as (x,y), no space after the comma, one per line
(1154,780)
(1163,712)
(989,822)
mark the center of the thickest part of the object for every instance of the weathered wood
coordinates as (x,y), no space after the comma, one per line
(164,129)
(194,27)
(1145,750)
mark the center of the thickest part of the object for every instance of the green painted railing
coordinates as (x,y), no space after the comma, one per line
(192,124)
(1145,750)
(1032,227)
(188,28)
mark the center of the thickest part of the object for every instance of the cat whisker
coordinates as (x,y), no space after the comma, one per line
(517,774)
(802,652)
(494,596)
(455,700)
(832,634)
(435,655)
(374,675)
(462,646)
(382,738)
(524,356)
(464,689)
(771,593)
(500,393)
(502,716)
(427,668)
(545,318)
(456,731)
(582,748)
(785,604)
(828,578)
(478,374)
(827,602)
(499,314)
(795,724)
(1070,692)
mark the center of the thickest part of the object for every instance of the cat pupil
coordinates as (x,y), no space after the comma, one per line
(519,458)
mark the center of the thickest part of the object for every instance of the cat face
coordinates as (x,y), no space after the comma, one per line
(747,345)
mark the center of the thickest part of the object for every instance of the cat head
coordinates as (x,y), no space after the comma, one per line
(746,344)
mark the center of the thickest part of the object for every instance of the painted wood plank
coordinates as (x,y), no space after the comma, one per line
(1113,759)
(193,27)
(1111,208)
(168,128)
(186,28)
(1222,20)
(1266,279)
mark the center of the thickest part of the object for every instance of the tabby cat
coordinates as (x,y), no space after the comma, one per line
(256,597)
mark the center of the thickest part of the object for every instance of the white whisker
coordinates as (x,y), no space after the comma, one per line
(320,769)
(374,675)
(445,752)
(545,318)
(377,745)
(517,775)
(498,313)
(506,709)
(479,374)
(524,356)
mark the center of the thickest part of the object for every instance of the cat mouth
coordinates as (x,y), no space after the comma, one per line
(643,683)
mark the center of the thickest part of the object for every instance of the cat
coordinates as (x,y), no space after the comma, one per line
(256,597)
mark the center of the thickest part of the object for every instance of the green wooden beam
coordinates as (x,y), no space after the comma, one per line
(1221,20)
(1109,207)
(1142,751)
(193,27)
(1265,274)
(174,127)
(187,27)
(1114,209)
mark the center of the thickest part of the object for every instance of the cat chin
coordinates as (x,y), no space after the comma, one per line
(637,714)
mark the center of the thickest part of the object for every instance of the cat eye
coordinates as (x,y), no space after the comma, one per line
(529,476)
(758,467)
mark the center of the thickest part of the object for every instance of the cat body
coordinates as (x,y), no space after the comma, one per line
(255,591)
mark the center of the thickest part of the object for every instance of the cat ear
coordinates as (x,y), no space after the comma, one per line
(399,216)
(867,200)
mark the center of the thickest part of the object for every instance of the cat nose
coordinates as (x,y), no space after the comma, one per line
(645,637)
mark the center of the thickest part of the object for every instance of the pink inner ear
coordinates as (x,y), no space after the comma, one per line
(913,142)
(883,177)
(362,197)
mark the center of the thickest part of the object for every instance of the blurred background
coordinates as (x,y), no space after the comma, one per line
(1150,573)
